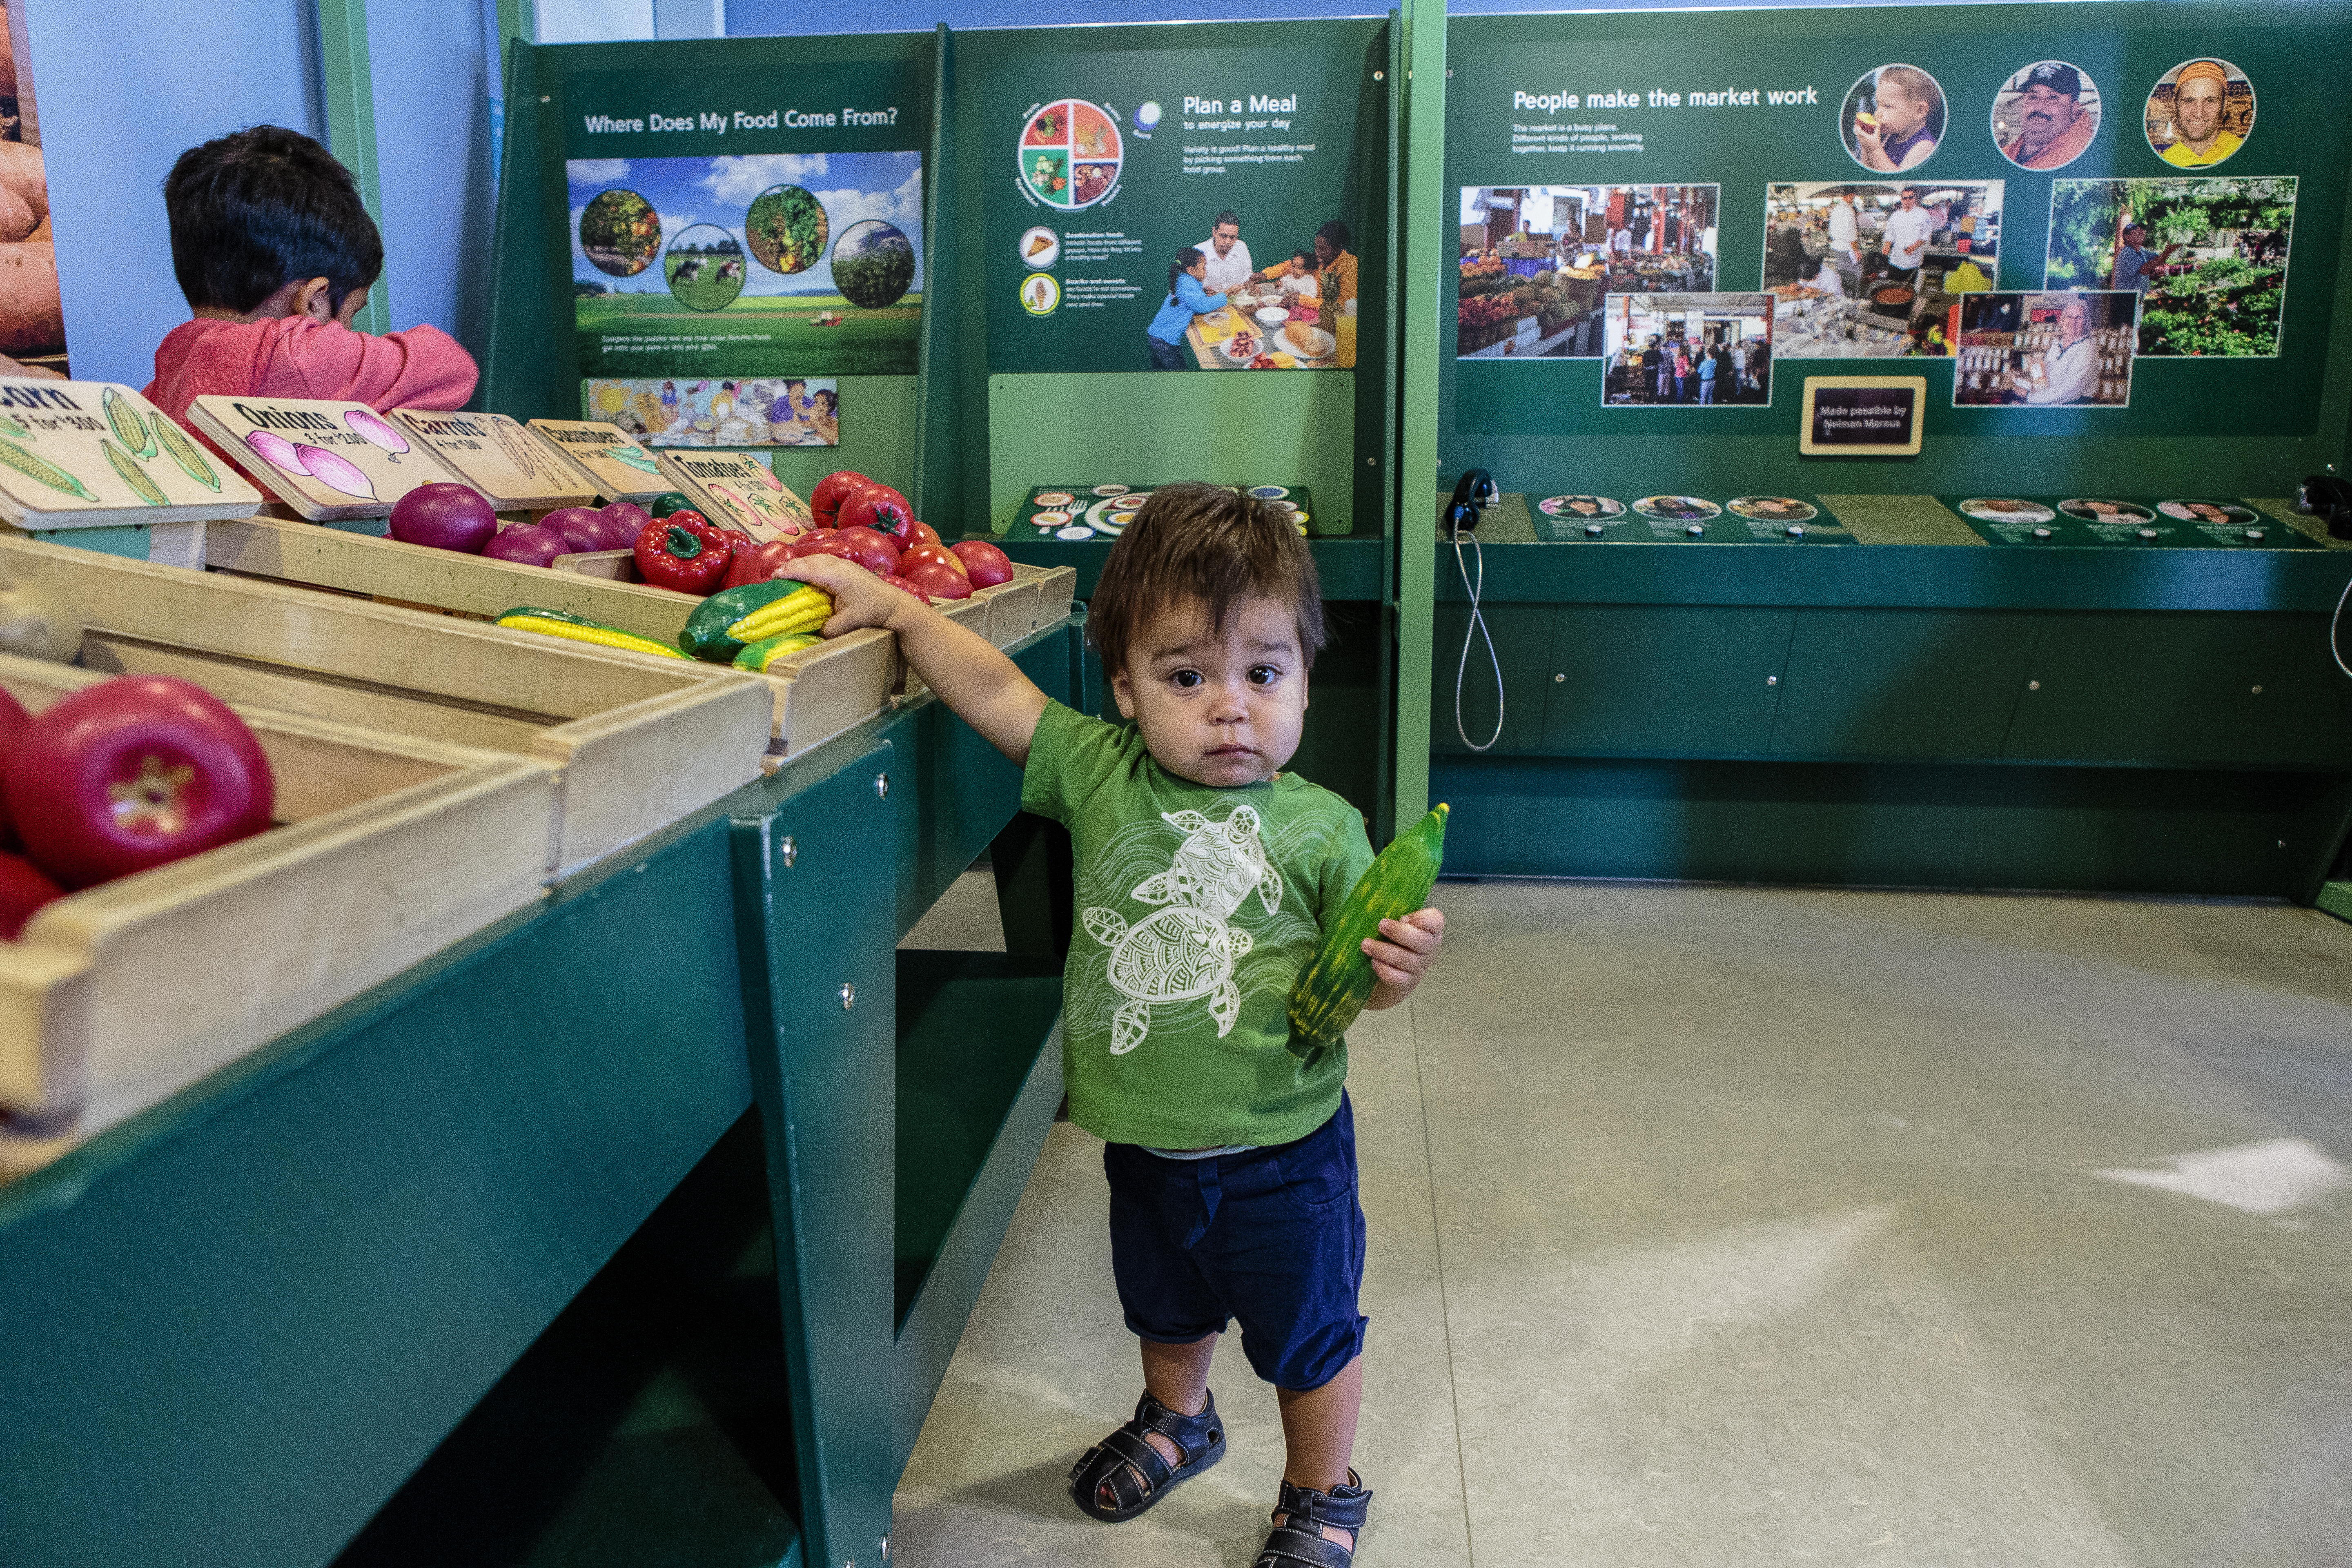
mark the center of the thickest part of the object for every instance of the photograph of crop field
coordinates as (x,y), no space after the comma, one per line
(773,264)
(2211,272)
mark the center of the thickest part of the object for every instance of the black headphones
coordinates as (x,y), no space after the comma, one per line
(2328,497)
(1473,492)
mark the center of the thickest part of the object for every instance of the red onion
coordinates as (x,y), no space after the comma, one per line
(583,527)
(444,515)
(527,544)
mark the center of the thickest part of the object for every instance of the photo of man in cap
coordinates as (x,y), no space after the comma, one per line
(2045,116)
(2199,115)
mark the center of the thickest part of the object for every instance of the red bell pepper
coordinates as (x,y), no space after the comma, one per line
(683,552)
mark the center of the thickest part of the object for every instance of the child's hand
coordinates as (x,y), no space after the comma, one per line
(859,597)
(1399,961)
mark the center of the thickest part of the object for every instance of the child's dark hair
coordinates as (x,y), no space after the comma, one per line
(1186,259)
(1304,256)
(1206,542)
(260,208)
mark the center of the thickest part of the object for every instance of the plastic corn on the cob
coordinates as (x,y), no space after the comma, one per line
(48,473)
(133,474)
(573,628)
(760,654)
(802,612)
(128,427)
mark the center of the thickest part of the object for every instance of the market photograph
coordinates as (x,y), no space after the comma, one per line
(2206,257)
(709,858)
(1534,261)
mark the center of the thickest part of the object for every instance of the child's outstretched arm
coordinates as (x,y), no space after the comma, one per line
(1400,960)
(980,685)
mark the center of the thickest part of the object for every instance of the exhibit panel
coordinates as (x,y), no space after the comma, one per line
(1679,244)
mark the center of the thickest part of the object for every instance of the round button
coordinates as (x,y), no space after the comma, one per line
(2148,533)
(2040,533)
(1591,530)
(1696,531)
(1796,531)
(2254,536)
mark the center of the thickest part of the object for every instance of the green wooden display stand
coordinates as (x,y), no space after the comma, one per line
(240,1321)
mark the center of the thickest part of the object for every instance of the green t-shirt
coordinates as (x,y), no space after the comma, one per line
(1197,907)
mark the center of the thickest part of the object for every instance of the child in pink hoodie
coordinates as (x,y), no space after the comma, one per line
(275,252)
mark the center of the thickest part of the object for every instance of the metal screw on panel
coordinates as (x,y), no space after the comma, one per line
(1372,462)
(542,98)
(848,996)
(789,851)
(1771,680)
(1383,76)
(882,786)
(1556,679)
(2258,692)
(2033,686)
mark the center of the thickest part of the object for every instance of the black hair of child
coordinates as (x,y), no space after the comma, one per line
(260,208)
(1211,544)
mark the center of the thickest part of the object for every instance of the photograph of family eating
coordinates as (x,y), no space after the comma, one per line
(1291,304)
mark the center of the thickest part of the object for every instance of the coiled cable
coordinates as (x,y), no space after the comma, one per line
(1477,628)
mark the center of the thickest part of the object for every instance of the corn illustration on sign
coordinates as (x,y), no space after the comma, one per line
(84,454)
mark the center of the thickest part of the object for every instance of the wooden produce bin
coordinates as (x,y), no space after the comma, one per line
(637,741)
(817,693)
(388,849)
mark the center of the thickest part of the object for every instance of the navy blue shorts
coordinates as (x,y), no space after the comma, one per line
(1272,1237)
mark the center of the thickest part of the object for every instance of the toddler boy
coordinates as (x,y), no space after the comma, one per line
(276,252)
(1203,874)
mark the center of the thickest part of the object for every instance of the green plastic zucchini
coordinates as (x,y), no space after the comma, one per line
(714,630)
(1332,990)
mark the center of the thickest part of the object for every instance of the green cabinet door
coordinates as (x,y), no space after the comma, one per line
(1523,641)
(1885,684)
(1665,681)
(2221,689)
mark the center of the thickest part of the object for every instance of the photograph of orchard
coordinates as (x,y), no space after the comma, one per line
(2208,257)
(813,262)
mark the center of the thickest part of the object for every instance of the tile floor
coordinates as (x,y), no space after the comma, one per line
(1739,1225)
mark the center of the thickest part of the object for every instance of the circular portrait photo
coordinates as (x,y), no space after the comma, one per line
(1592,506)
(2005,509)
(2201,113)
(2214,511)
(1677,508)
(786,227)
(1893,119)
(2045,116)
(2092,510)
(1776,508)
(704,268)
(620,232)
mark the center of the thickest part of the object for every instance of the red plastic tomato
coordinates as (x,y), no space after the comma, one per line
(926,534)
(13,718)
(937,581)
(23,890)
(984,564)
(131,774)
(832,491)
(875,550)
(943,559)
(757,563)
(905,586)
(877,506)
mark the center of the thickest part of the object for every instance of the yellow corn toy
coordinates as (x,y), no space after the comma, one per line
(573,628)
(804,610)
(762,654)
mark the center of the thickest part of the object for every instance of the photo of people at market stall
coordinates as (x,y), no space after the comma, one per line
(2208,257)
(1289,306)
(1535,260)
(699,411)
(1698,350)
(1870,271)
(2045,350)
(2199,113)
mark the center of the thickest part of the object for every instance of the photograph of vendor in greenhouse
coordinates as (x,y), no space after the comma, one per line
(2206,257)
(1699,350)
(1535,259)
